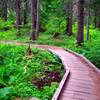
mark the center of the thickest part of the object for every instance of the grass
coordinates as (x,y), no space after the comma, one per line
(8,32)
(23,76)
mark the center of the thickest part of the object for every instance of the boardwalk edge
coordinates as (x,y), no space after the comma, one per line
(85,60)
(59,89)
(67,71)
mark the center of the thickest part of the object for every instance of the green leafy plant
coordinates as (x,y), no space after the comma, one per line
(26,76)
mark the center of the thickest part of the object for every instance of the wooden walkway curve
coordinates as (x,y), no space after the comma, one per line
(83,82)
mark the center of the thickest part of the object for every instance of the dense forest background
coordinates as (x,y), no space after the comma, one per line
(73,24)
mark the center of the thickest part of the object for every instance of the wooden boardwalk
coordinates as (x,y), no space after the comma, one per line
(83,82)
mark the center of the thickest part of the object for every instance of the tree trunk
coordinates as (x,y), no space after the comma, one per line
(95,19)
(37,19)
(18,13)
(35,13)
(88,27)
(69,19)
(98,22)
(25,11)
(0,8)
(88,23)
(33,17)
(80,37)
(5,6)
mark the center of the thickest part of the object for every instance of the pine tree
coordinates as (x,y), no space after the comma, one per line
(80,35)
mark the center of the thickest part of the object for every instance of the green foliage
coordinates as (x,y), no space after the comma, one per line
(48,91)
(5,25)
(4,92)
(58,24)
(19,70)
(90,49)
(8,32)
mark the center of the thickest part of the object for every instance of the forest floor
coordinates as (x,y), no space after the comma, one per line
(90,49)
(79,74)
(28,75)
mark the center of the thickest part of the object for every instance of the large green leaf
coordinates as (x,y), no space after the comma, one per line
(5,91)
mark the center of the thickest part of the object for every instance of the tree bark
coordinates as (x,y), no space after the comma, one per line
(0,8)
(88,27)
(80,35)
(5,7)
(35,13)
(98,18)
(98,22)
(95,19)
(25,11)
(37,19)
(88,22)
(69,19)
(33,17)
(18,13)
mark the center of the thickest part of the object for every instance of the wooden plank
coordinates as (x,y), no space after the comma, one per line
(58,91)
(85,60)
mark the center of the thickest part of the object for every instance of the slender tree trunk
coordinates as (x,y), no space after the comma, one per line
(88,23)
(25,11)
(18,13)
(69,19)
(0,8)
(5,6)
(37,19)
(88,27)
(33,11)
(80,37)
(99,22)
(95,19)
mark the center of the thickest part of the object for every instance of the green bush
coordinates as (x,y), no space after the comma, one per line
(18,71)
